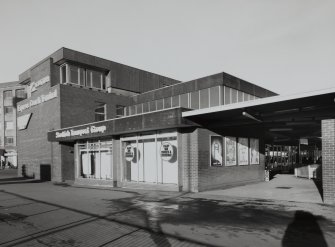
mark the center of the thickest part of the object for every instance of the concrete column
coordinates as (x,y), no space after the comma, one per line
(328,160)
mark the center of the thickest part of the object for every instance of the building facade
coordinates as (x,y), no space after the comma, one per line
(92,121)
(10,94)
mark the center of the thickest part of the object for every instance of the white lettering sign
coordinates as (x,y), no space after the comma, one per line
(35,84)
(80,132)
(39,100)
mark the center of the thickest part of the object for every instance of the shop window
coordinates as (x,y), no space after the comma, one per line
(8,109)
(214,95)
(195,100)
(9,140)
(184,100)
(153,105)
(146,107)
(120,111)
(160,104)
(100,112)
(204,98)
(167,103)
(9,125)
(175,101)
(227,95)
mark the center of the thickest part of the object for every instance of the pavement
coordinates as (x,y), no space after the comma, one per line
(34,213)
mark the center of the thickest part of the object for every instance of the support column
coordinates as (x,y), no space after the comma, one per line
(328,160)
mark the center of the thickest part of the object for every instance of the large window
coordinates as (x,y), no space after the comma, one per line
(100,112)
(83,77)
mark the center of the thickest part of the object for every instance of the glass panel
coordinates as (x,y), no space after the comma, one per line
(139,108)
(214,96)
(246,97)
(233,95)
(88,78)
(146,107)
(195,100)
(63,72)
(160,104)
(21,93)
(204,98)
(96,79)
(153,105)
(9,125)
(103,80)
(8,110)
(184,100)
(9,140)
(8,95)
(82,77)
(167,103)
(227,99)
(175,101)
(120,109)
(240,96)
(74,74)
(132,110)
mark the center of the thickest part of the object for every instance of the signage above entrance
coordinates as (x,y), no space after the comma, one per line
(81,132)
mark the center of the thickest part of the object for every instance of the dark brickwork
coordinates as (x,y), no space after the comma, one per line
(328,160)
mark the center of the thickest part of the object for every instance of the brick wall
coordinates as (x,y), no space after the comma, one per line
(188,159)
(328,160)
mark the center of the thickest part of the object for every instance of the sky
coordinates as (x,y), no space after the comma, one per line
(286,46)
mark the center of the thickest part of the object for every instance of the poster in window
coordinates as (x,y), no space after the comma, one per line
(230,151)
(243,151)
(254,151)
(216,151)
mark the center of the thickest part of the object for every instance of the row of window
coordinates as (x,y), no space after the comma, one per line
(83,77)
(209,97)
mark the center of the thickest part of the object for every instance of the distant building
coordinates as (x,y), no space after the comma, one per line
(10,94)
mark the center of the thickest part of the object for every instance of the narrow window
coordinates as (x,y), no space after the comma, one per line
(120,110)
(100,112)
(9,140)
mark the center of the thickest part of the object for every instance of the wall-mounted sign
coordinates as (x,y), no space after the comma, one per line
(35,84)
(166,151)
(129,153)
(22,121)
(81,132)
(39,100)
(216,151)
(243,153)
(230,151)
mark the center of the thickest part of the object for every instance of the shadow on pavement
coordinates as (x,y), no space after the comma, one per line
(303,231)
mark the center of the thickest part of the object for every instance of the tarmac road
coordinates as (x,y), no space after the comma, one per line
(43,214)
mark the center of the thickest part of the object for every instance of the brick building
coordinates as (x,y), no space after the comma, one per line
(94,121)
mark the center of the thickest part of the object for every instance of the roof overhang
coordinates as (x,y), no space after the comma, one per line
(282,119)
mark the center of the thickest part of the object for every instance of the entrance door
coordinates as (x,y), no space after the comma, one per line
(106,164)
(169,167)
(150,167)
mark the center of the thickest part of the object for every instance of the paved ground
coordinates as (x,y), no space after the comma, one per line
(281,187)
(43,214)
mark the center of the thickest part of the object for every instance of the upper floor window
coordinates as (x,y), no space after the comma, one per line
(120,110)
(84,77)
(100,112)
(9,140)
(8,97)
(20,94)
(9,125)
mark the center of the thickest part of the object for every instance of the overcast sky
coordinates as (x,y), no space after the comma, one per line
(287,46)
